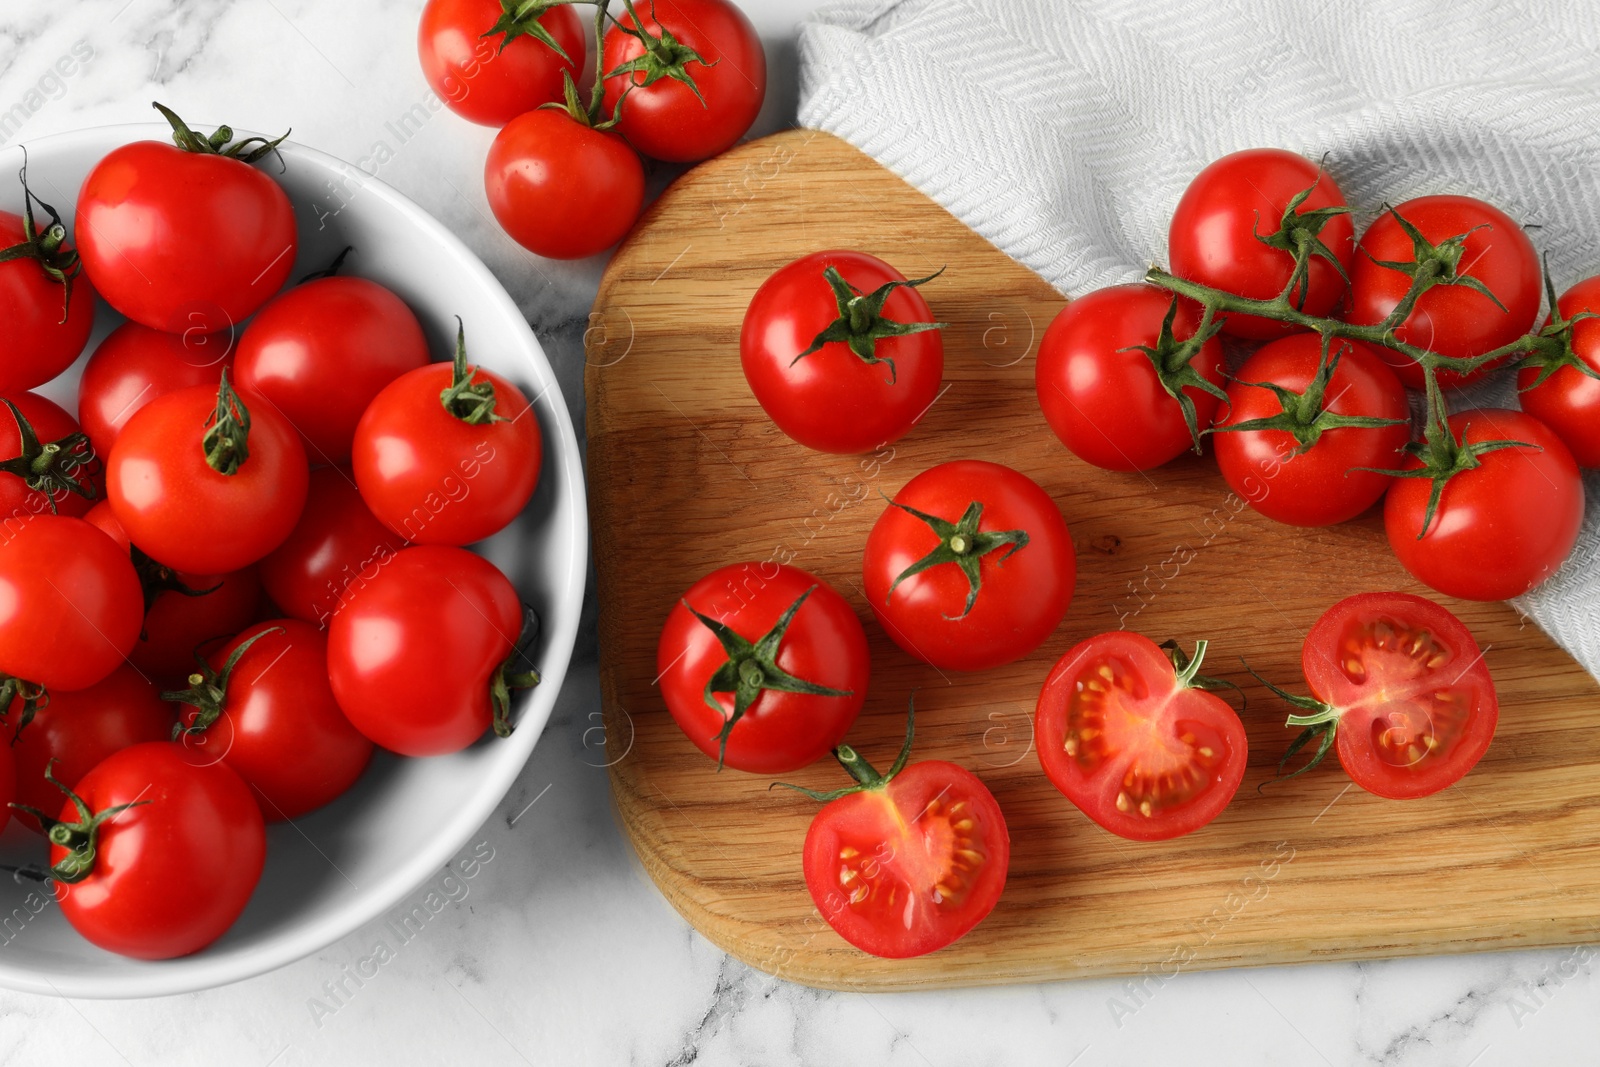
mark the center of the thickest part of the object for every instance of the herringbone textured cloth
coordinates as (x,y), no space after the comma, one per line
(1065,130)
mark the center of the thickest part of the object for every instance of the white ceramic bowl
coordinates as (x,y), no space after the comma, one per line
(339,868)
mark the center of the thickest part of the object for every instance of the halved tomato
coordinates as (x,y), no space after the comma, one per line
(1135,741)
(1400,687)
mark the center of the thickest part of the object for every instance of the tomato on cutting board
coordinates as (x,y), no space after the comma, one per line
(970,566)
(1111,369)
(1135,740)
(906,862)
(763,666)
(841,351)
(1400,689)
(1239,223)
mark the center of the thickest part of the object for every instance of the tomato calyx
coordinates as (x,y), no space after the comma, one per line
(1305,415)
(33,697)
(1173,361)
(751,668)
(1552,348)
(517,672)
(865,775)
(332,269)
(1186,669)
(572,105)
(221,142)
(664,56)
(51,467)
(1320,723)
(861,323)
(45,247)
(1300,234)
(208,687)
(157,578)
(1431,265)
(80,839)
(226,441)
(470,401)
(520,18)
(963,544)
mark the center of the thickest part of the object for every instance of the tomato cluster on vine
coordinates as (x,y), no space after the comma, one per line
(680,82)
(243,567)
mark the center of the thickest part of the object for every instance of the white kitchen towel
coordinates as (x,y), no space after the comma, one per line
(1064,131)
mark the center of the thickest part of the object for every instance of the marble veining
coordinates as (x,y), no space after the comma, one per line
(558,950)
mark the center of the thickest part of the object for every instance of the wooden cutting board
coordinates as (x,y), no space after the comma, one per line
(687,474)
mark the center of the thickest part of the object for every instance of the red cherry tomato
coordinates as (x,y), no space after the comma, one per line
(338,546)
(189,515)
(41,332)
(1452,320)
(79,728)
(1001,573)
(488,79)
(189,611)
(834,400)
(136,364)
(777,710)
(1242,197)
(560,188)
(1501,528)
(1102,397)
(909,863)
(662,116)
(105,520)
(431,474)
(320,352)
(413,656)
(1405,691)
(70,602)
(1134,744)
(276,723)
(1568,401)
(183,241)
(172,872)
(1323,484)
(51,474)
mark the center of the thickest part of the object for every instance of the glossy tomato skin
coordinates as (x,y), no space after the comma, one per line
(832,400)
(1321,486)
(560,188)
(79,728)
(476,78)
(70,602)
(411,655)
(825,645)
(1021,601)
(435,479)
(1569,400)
(666,120)
(1105,402)
(1451,320)
(178,626)
(1139,755)
(912,867)
(1212,239)
(37,343)
(139,212)
(8,788)
(1418,705)
(136,364)
(1499,529)
(321,351)
(50,423)
(281,728)
(337,547)
(102,518)
(189,516)
(171,875)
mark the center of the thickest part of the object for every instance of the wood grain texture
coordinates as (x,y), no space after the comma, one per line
(686,474)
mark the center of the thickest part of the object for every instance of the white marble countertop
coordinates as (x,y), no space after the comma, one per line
(561,951)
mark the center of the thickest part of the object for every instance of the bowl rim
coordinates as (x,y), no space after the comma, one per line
(204,970)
